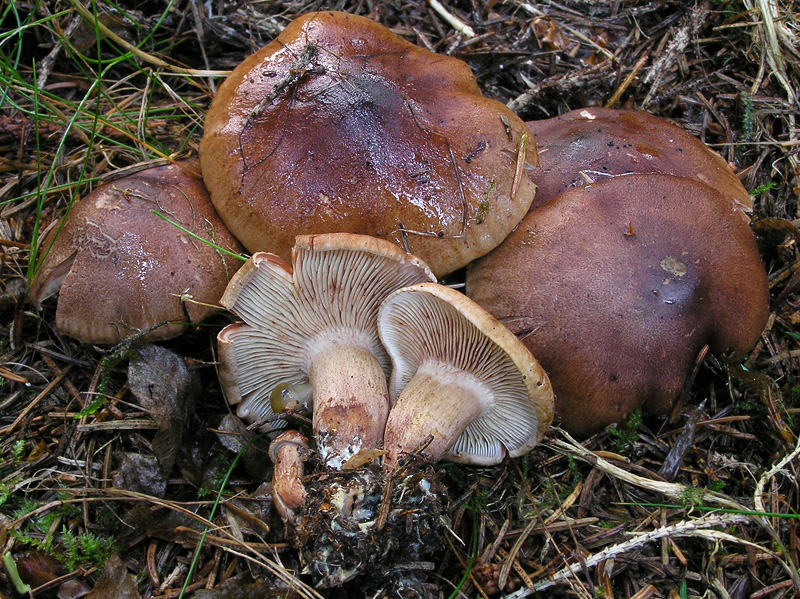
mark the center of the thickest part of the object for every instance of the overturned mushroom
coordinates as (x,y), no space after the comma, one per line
(592,144)
(120,269)
(465,387)
(315,322)
(339,125)
(618,285)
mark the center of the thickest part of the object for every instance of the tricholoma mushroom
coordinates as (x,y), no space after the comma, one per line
(316,322)
(616,287)
(464,386)
(466,389)
(591,144)
(120,269)
(339,125)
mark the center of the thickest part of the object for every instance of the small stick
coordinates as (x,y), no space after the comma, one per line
(12,376)
(626,82)
(511,558)
(53,384)
(148,58)
(451,19)
(73,391)
(386,503)
(700,527)
(520,167)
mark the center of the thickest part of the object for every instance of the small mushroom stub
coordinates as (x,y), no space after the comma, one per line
(465,388)
(288,453)
(339,125)
(591,144)
(316,322)
(120,269)
(618,285)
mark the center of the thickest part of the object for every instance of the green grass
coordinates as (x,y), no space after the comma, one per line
(113,110)
(693,501)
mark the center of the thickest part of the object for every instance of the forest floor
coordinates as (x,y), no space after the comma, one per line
(700,504)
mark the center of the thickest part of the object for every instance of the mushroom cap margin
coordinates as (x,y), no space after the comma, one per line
(274,345)
(536,400)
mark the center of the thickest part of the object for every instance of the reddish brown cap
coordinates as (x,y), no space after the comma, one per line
(339,125)
(119,268)
(591,144)
(615,287)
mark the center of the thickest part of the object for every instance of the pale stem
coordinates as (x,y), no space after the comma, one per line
(351,401)
(288,492)
(437,404)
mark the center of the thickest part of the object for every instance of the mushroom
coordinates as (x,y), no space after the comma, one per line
(339,125)
(315,322)
(120,269)
(618,285)
(591,144)
(465,388)
(288,452)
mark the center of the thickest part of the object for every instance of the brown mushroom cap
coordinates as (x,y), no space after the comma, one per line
(316,322)
(341,125)
(616,287)
(591,144)
(460,377)
(119,268)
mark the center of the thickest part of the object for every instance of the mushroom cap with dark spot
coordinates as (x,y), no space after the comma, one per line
(119,268)
(591,144)
(339,125)
(615,287)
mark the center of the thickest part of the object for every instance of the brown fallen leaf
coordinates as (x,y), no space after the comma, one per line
(167,389)
(115,582)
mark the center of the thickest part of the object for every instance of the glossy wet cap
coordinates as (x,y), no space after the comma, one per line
(120,269)
(592,144)
(616,287)
(339,125)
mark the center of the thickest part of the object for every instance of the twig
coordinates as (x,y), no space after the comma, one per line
(46,64)
(758,501)
(627,81)
(53,384)
(453,20)
(673,490)
(678,491)
(768,11)
(700,527)
(512,555)
(680,40)
(148,58)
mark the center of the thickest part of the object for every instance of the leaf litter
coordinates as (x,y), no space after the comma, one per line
(153,466)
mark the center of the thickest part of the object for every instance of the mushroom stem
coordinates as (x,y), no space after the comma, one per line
(351,401)
(288,452)
(439,402)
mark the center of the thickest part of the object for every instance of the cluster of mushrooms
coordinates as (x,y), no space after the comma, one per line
(357,168)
